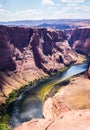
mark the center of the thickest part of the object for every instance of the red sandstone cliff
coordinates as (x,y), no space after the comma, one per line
(30,53)
(80,40)
(88,70)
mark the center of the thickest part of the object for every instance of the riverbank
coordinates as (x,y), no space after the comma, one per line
(31,54)
(44,90)
(4,117)
(71,102)
(27,101)
(72,96)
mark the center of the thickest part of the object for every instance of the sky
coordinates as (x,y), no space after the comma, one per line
(13,10)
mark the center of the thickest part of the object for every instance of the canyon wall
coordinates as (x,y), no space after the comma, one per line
(28,53)
(79,39)
(88,70)
(68,109)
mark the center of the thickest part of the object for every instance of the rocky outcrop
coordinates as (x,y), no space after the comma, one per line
(28,53)
(55,108)
(75,96)
(79,39)
(72,120)
(88,70)
(69,109)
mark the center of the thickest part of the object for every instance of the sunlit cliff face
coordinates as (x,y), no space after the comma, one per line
(30,53)
(80,40)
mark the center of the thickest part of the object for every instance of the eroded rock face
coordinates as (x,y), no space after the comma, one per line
(72,120)
(75,96)
(55,108)
(28,53)
(68,109)
(80,40)
(88,70)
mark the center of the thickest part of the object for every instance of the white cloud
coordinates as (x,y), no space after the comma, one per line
(73,1)
(69,15)
(30,12)
(21,15)
(83,7)
(0,5)
(47,2)
(86,7)
(70,10)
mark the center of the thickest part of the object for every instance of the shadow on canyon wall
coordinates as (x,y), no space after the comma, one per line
(27,50)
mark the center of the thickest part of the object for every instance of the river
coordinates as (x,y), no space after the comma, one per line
(29,103)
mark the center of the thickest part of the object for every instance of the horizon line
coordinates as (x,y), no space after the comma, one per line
(45,19)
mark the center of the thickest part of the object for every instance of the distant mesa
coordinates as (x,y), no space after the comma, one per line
(58,23)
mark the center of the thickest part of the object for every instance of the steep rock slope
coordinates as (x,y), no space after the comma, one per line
(30,53)
(73,96)
(80,40)
(68,109)
(88,70)
(71,120)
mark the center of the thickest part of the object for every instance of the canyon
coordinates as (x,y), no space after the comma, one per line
(68,109)
(27,54)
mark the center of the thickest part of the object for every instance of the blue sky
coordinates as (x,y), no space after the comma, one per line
(11,10)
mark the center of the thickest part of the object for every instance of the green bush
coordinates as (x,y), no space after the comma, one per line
(4,126)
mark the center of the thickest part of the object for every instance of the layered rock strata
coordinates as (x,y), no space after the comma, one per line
(28,53)
(88,70)
(79,39)
(69,109)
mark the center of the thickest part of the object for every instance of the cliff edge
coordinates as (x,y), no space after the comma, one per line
(79,40)
(28,53)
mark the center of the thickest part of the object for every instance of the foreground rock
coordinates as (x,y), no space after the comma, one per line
(72,120)
(55,108)
(73,96)
(69,109)
(28,53)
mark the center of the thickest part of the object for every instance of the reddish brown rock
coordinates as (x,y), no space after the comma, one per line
(35,124)
(72,120)
(88,70)
(74,95)
(80,40)
(62,111)
(55,108)
(28,53)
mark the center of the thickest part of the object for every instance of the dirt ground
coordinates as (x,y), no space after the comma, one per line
(76,95)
